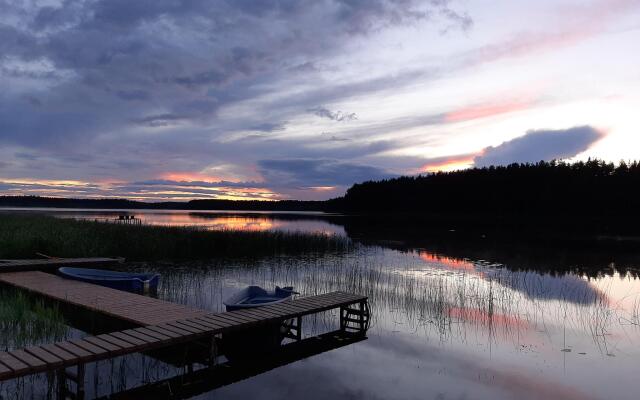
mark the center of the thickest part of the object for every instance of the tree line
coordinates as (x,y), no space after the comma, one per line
(592,188)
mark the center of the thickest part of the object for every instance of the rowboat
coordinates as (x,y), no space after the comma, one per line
(255,296)
(141,283)
(244,345)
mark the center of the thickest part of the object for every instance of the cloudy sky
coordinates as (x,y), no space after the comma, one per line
(271,99)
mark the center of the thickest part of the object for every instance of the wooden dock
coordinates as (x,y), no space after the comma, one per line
(128,307)
(54,263)
(191,384)
(162,324)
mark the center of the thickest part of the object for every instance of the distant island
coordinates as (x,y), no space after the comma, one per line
(590,190)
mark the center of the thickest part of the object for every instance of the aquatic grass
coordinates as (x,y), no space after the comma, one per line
(25,322)
(22,236)
(489,302)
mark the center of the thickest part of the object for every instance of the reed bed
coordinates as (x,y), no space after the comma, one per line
(22,236)
(490,301)
(25,322)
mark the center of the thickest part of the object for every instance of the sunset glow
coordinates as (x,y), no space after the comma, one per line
(448,262)
(371,93)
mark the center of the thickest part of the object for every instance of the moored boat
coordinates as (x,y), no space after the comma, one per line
(140,283)
(244,345)
(255,296)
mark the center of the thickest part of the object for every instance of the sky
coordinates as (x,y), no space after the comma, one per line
(277,99)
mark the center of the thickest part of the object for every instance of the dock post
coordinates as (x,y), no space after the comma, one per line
(364,315)
(78,378)
(80,382)
(213,351)
(62,384)
(299,328)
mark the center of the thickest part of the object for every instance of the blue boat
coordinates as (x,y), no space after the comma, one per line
(255,296)
(140,283)
(245,345)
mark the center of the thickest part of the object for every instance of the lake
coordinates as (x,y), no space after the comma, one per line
(451,318)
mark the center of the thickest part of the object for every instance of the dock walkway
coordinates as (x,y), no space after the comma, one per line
(9,265)
(157,325)
(129,307)
(57,356)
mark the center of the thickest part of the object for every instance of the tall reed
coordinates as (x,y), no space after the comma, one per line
(22,236)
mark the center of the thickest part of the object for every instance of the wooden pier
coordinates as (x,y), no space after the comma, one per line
(161,325)
(54,263)
(130,308)
(195,383)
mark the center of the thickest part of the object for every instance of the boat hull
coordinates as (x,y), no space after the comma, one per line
(244,345)
(128,282)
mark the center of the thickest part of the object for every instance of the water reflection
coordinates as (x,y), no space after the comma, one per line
(442,326)
(529,323)
(206,379)
(218,220)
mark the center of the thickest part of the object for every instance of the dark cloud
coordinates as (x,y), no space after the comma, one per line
(537,145)
(458,20)
(171,183)
(318,172)
(126,48)
(323,112)
(161,120)
(86,76)
(133,94)
(269,127)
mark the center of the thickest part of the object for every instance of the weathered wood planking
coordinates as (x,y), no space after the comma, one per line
(54,263)
(132,308)
(50,357)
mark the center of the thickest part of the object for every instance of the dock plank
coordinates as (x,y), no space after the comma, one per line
(17,366)
(7,265)
(183,326)
(80,353)
(5,371)
(65,356)
(116,341)
(51,360)
(128,307)
(96,351)
(163,331)
(153,334)
(34,363)
(129,339)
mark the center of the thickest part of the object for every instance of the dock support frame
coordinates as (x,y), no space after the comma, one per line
(294,329)
(76,378)
(355,320)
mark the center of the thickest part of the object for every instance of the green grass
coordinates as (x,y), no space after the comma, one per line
(25,322)
(22,236)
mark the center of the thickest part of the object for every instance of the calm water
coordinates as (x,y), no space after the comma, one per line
(444,326)
(213,220)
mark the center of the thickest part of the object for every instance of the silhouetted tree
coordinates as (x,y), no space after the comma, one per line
(591,188)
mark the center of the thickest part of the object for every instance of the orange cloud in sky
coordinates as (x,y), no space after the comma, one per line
(449,163)
(487,110)
(189,177)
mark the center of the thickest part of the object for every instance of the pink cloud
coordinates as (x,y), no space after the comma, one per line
(487,110)
(448,163)
(579,23)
